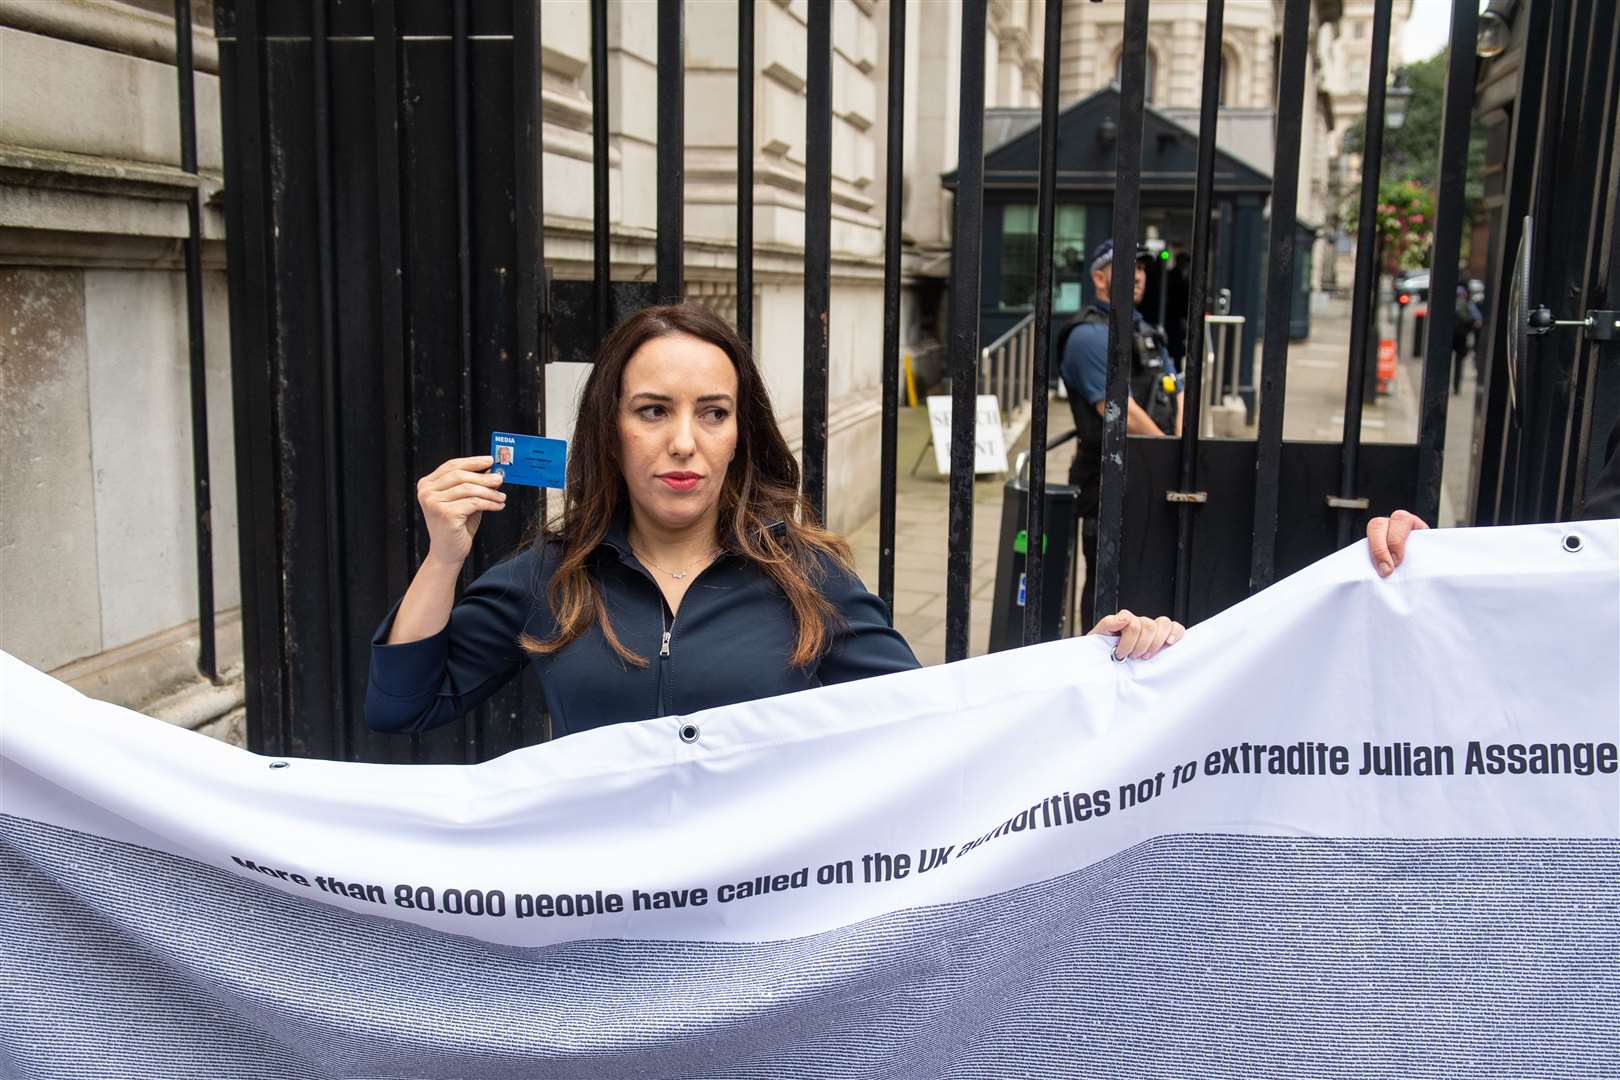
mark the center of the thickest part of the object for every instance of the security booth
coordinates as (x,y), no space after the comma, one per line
(1087,134)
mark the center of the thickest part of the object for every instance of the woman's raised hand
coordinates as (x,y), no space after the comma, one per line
(453,498)
(1140,636)
(1386,539)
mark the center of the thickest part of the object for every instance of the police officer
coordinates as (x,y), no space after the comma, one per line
(1154,404)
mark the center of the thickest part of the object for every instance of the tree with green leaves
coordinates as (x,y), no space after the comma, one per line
(1412,160)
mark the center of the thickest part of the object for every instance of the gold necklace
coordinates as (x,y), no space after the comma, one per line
(678,574)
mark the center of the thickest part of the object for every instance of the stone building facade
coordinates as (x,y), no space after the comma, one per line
(97,518)
(1092,35)
(1347,54)
(97,550)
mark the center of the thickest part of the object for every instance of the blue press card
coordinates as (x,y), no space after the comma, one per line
(529,459)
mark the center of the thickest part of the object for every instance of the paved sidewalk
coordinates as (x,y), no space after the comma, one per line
(922,516)
(1317,368)
(1315,409)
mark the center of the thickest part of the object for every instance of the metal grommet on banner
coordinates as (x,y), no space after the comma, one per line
(1117,659)
(278,764)
(1573,542)
(689,733)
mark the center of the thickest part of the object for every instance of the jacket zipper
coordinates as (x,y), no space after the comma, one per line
(668,628)
(666,624)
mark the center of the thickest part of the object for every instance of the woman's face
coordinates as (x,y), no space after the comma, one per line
(677,429)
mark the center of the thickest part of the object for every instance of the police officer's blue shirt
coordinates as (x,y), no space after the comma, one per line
(1085,359)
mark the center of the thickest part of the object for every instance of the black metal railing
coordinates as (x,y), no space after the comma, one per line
(1454,130)
(671,152)
(818,128)
(1364,294)
(202,495)
(1127,209)
(1046,212)
(745,171)
(440,325)
(1197,291)
(962,347)
(893,224)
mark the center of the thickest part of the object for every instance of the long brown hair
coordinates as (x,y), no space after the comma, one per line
(761,490)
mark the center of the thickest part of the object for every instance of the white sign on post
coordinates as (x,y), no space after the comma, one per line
(990,441)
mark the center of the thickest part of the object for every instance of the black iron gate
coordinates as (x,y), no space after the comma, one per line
(1554,364)
(390,304)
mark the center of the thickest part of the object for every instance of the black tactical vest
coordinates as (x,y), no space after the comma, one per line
(1147,383)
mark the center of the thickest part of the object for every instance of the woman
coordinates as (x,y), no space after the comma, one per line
(687,571)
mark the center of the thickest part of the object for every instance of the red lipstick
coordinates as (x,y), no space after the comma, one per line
(680,481)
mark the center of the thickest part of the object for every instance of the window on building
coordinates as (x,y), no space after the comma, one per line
(1358,30)
(1017,257)
(1018,246)
(1229,78)
(1069,253)
(1119,72)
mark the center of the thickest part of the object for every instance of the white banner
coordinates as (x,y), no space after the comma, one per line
(1349,827)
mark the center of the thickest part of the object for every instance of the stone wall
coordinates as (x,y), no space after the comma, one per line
(97,512)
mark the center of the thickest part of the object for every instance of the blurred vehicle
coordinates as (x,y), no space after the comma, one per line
(1413,290)
(1412,297)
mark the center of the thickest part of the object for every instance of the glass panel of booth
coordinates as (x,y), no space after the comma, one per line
(1018,224)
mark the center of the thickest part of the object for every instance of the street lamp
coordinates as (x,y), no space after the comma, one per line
(1395,99)
(1495,29)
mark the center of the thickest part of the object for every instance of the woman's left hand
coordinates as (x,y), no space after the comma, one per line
(1386,539)
(1140,636)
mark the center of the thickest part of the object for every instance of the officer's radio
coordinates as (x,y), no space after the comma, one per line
(1153,387)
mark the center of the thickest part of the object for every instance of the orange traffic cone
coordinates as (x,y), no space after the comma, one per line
(1386,364)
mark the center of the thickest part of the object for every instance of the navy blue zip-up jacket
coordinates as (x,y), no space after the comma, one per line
(729,642)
